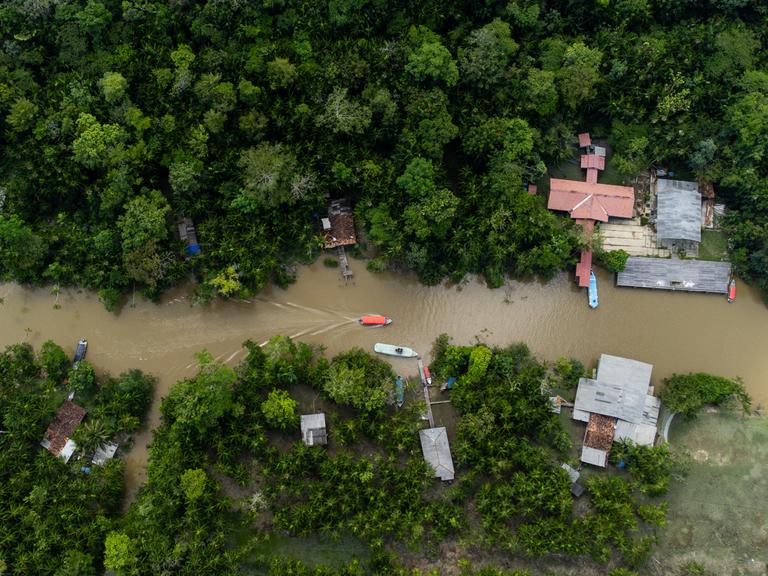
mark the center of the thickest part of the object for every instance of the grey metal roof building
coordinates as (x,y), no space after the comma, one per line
(621,391)
(678,208)
(618,391)
(437,451)
(313,430)
(674,274)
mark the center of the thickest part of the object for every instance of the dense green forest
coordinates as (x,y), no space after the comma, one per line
(118,116)
(227,469)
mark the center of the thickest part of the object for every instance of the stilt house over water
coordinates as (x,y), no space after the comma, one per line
(588,202)
(619,404)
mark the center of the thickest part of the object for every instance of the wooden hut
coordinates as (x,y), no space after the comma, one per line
(57,437)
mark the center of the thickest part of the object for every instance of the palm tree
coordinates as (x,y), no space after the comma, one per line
(90,435)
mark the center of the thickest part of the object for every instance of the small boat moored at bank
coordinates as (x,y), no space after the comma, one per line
(427,375)
(374,320)
(592,290)
(82,348)
(392,350)
(399,392)
(732,290)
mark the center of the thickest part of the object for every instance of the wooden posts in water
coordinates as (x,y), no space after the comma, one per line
(346,272)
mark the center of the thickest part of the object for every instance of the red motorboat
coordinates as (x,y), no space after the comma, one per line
(732,290)
(374,320)
(427,375)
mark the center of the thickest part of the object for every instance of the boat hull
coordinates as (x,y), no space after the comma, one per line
(392,350)
(731,291)
(374,320)
(82,348)
(593,302)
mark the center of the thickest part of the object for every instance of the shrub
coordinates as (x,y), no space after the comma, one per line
(687,393)
(613,260)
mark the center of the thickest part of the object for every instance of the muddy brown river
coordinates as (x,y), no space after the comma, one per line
(676,332)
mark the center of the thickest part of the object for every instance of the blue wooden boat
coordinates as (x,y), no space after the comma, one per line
(592,290)
(399,391)
(82,348)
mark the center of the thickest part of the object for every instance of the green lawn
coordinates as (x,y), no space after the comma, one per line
(714,246)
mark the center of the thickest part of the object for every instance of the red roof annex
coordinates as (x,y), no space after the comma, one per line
(593,161)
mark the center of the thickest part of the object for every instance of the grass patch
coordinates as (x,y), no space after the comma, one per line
(714,246)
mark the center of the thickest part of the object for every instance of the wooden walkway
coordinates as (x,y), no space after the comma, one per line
(674,274)
(427,399)
(346,272)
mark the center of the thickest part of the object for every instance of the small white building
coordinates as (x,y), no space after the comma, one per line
(103,453)
(313,430)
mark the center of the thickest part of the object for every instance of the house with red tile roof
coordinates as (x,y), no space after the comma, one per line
(57,438)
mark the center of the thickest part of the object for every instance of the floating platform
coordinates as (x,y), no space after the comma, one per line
(674,274)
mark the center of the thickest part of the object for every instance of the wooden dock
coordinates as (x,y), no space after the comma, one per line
(675,274)
(346,271)
(427,399)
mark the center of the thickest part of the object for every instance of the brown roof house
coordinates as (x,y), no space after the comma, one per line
(339,226)
(57,437)
(618,404)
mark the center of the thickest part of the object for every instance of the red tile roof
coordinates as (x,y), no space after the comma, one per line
(592,175)
(585,200)
(600,432)
(593,161)
(63,425)
(584,140)
(532,189)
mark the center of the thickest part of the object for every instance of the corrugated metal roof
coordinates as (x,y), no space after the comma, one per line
(594,456)
(618,391)
(437,451)
(103,453)
(313,429)
(642,434)
(674,274)
(678,207)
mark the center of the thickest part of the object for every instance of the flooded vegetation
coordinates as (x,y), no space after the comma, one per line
(718,515)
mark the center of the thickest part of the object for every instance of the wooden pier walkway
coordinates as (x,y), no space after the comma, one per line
(427,399)
(346,272)
(675,274)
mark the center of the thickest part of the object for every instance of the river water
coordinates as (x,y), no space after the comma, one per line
(676,332)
